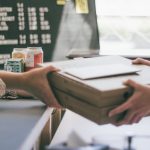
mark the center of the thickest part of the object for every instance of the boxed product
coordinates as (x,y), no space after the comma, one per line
(14,65)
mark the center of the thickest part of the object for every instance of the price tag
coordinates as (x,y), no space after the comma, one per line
(82,7)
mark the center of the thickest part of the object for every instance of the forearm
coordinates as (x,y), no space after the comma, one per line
(12,80)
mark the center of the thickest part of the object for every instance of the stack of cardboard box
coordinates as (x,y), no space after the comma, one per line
(93,98)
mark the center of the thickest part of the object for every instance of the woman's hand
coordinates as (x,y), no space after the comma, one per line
(36,83)
(136,107)
(141,61)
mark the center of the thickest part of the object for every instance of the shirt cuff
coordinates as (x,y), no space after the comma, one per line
(2,88)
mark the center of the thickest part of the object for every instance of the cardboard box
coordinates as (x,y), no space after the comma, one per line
(97,95)
(94,113)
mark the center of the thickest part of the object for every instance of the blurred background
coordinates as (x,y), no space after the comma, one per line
(124,24)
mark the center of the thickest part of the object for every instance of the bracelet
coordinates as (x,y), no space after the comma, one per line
(10,94)
(7,93)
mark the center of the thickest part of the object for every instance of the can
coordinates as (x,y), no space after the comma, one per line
(19,53)
(34,56)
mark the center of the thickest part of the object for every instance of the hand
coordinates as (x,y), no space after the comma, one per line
(36,83)
(24,94)
(141,61)
(137,106)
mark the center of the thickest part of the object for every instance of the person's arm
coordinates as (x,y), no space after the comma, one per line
(34,82)
(138,105)
(12,80)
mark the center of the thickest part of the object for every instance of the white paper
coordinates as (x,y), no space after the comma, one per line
(99,71)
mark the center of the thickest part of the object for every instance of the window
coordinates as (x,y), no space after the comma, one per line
(124,24)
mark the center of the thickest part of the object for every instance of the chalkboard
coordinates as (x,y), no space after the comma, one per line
(55,25)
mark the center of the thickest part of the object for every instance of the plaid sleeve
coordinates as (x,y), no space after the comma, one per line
(2,88)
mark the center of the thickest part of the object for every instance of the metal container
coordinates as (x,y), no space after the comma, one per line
(34,56)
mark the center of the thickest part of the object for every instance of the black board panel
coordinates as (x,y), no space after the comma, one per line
(44,23)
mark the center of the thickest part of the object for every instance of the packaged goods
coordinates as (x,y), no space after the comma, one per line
(34,56)
(19,53)
(14,65)
(93,98)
